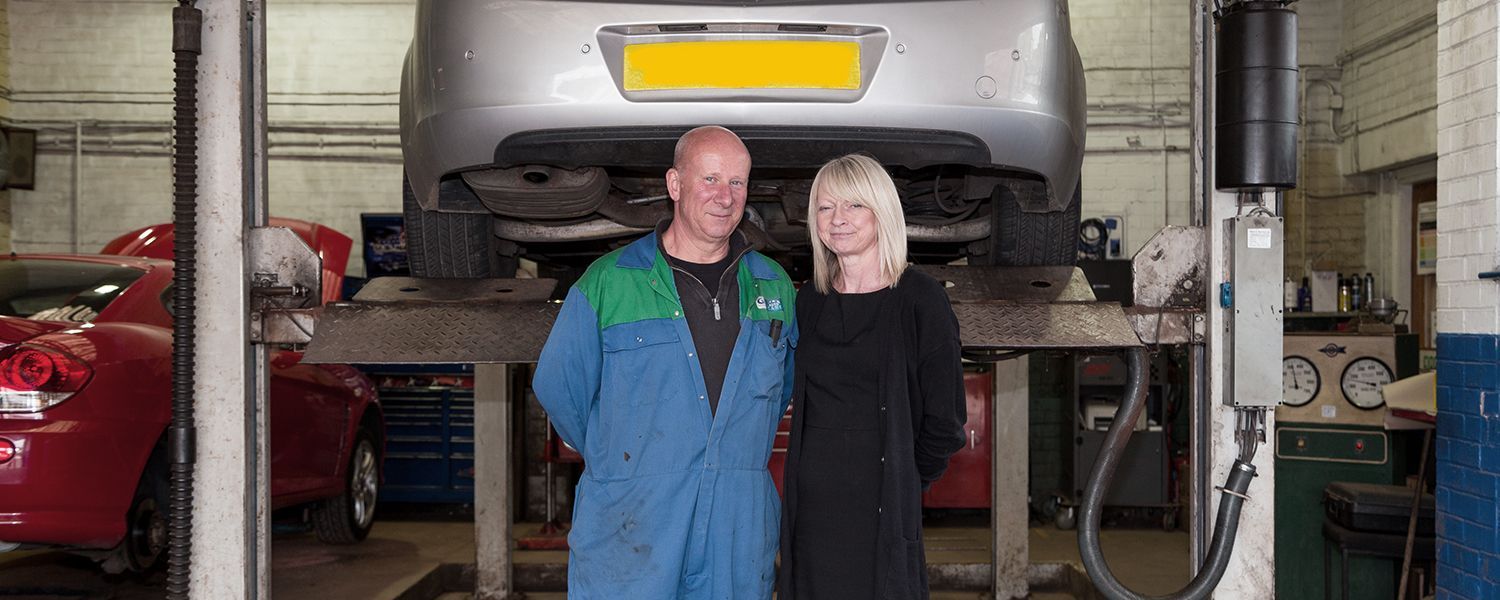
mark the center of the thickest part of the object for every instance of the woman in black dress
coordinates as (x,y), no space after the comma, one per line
(878,396)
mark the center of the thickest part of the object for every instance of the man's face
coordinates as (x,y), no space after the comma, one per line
(709,191)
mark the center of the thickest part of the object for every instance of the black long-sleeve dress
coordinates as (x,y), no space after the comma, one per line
(878,409)
(834,540)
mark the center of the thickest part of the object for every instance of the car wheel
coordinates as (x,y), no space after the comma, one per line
(145,540)
(457,245)
(347,518)
(1023,239)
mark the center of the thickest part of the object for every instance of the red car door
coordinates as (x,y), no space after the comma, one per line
(309,419)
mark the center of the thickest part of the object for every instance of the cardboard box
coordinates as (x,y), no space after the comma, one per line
(1325,291)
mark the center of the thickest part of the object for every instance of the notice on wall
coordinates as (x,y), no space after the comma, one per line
(1427,238)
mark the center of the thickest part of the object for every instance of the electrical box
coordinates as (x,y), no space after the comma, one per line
(1253,300)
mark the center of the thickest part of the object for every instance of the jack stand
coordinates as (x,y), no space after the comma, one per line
(552,535)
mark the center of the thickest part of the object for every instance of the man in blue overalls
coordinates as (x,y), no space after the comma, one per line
(669,369)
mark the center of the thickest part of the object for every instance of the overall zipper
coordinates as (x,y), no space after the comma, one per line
(715,298)
(733,268)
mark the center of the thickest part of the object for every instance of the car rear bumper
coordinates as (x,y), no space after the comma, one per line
(1003,72)
(71,482)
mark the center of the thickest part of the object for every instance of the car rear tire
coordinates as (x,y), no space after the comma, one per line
(1023,239)
(145,540)
(456,245)
(347,518)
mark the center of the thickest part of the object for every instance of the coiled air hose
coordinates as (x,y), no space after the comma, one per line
(187,44)
(1103,474)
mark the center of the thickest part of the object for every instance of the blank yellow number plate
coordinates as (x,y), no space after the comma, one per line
(751,64)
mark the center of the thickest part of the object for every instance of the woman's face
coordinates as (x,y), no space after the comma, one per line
(847,227)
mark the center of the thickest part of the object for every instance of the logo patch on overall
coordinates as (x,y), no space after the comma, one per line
(774,304)
(760,302)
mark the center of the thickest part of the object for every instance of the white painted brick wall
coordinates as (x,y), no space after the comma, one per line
(1468,207)
(333,70)
(1388,83)
(1136,57)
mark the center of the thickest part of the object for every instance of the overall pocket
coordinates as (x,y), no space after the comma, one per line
(643,362)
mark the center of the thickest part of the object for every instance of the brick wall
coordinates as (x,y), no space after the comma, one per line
(1051,424)
(333,74)
(1468,322)
(1369,109)
(1389,74)
(1136,57)
(1468,458)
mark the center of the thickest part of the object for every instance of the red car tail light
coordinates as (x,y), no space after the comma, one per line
(36,378)
(7,451)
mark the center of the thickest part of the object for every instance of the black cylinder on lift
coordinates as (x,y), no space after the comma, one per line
(1255,113)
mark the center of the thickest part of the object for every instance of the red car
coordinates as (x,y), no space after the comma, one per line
(85,364)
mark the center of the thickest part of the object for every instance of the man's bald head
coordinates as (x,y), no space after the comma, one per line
(708,183)
(703,138)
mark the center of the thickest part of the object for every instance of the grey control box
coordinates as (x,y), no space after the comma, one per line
(1254,304)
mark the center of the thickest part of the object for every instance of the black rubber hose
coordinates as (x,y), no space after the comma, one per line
(1104,473)
(187,44)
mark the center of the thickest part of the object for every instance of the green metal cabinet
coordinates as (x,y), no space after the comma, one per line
(1308,457)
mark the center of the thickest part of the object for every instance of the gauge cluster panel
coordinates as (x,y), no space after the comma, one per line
(1337,378)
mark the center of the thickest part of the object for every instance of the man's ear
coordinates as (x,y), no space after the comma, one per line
(674,183)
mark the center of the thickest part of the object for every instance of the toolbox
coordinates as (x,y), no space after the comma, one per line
(1376,508)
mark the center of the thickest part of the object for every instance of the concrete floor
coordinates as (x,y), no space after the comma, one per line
(399,554)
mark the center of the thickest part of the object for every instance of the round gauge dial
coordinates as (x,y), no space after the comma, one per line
(1362,381)
(1300,381)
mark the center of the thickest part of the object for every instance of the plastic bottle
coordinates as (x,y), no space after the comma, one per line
(1343,294)
(1369,287)
(1288,294)
(1356,293)
(1304,296)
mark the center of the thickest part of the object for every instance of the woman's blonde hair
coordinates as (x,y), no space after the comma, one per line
(858,177)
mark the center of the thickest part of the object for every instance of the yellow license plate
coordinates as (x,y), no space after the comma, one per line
(746,64)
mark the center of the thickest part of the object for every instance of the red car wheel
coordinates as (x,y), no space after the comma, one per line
(347,519)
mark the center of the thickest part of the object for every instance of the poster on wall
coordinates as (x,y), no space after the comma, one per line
(1427,238)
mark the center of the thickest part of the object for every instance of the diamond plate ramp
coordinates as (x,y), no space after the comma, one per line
(1005,326)
(1031,308)
(403,320)
(967,284)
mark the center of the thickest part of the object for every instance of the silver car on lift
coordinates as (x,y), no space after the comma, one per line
(542,128)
